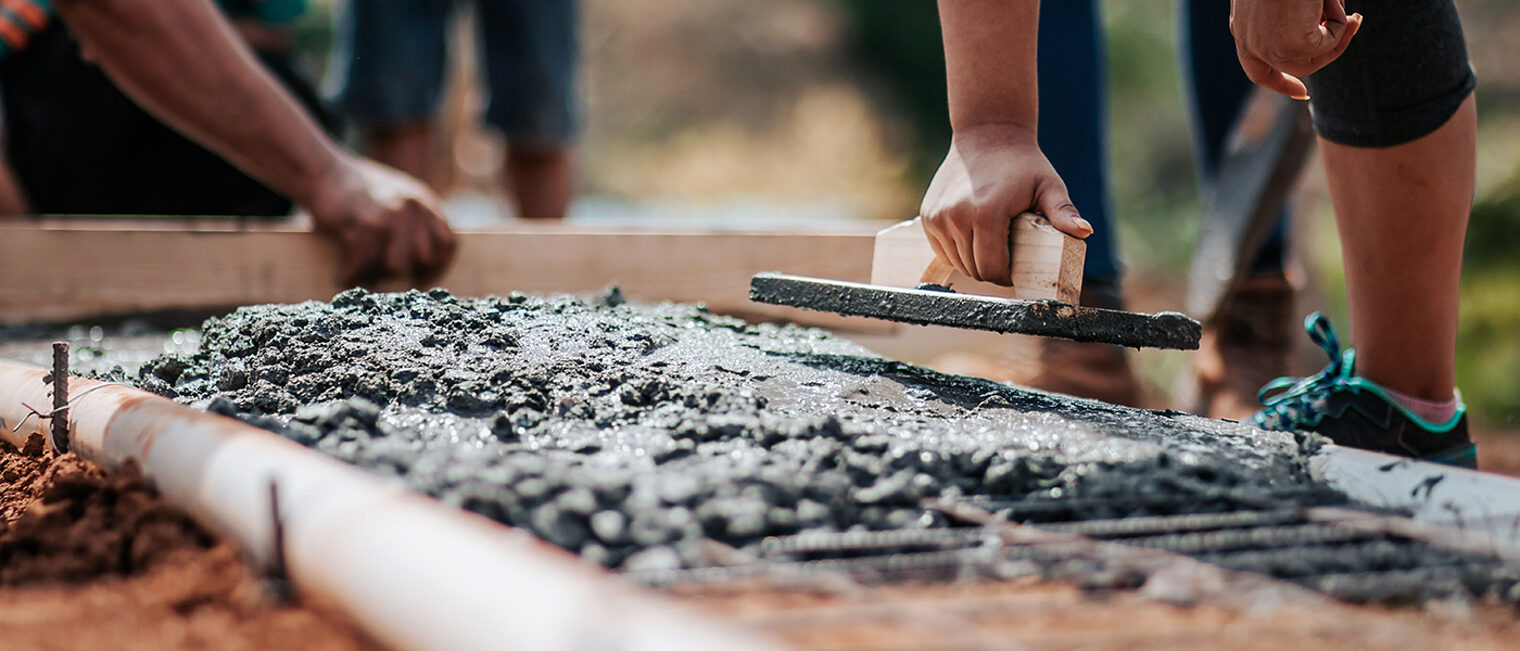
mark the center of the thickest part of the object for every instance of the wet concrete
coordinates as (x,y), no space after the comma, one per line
(97,349)
(631,433)
(935,305)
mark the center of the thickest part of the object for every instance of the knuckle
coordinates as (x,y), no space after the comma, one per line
(961,213)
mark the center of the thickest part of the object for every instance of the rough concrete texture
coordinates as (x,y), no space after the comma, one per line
(935,305)
(630,433)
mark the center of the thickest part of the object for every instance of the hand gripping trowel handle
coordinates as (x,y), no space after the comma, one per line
(1047,264)
(1043,301)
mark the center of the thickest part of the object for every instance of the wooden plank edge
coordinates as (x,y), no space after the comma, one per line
(123,270)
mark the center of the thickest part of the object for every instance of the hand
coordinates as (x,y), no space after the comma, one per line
(991,175)
(1281,41)
(388,223)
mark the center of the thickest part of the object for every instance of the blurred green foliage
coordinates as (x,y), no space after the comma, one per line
(1488,349)
(1155,191)
(900,43)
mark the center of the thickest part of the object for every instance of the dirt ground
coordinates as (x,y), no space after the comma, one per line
(1498,451)
(1040,615)
(91,559)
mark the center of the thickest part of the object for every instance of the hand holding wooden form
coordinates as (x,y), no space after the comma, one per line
(388,224)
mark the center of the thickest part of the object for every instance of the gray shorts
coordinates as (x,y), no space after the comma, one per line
(1403,76)
(390,56)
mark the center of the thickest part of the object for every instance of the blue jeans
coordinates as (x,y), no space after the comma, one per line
(1074,111)
(390,59)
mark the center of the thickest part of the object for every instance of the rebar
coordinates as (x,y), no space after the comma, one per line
(59,417)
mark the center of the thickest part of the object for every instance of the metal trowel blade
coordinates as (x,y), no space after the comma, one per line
(1044,318)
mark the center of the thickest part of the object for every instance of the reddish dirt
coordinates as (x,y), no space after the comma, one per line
(96,559)
(1498,450)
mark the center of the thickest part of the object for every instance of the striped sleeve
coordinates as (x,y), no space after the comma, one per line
(19,21)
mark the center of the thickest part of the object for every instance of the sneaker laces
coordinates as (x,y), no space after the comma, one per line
(1290,403)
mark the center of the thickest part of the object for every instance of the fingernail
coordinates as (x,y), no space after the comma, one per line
(1083,223)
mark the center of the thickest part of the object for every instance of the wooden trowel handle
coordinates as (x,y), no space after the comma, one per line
(937,273)
(1046,263)
(1038,255)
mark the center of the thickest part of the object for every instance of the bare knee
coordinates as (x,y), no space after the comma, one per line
(537,156)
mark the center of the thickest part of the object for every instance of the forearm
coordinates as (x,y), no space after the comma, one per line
(990,62)
(182,62)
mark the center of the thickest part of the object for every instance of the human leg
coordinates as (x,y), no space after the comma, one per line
(1217,92)
(407,147)
(1073,133)
(1247,342)
(1401,165)
(531,51)
(540,179)
(1402,216)
(1398,136)
(1073,128)
(390,63)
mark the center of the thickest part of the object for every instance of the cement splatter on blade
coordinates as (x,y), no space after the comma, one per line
(934,305)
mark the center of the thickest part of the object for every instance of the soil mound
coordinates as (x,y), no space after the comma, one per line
(67,520)
(93,559)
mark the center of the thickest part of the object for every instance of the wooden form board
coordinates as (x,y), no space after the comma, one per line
(1047,264)
(63,270)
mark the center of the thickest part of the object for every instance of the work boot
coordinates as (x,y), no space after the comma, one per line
(1245,345)
(1356,412)
(1086,370)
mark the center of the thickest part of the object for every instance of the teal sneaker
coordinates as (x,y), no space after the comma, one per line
(1356,412)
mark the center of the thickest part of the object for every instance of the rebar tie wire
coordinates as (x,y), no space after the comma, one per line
(32,411)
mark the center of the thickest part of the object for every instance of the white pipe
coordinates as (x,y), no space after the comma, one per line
(414,572)
(1477,502)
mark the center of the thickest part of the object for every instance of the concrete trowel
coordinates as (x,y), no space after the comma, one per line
(1266,151)
(910,284)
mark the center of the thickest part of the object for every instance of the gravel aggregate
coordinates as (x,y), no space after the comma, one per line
(633,433)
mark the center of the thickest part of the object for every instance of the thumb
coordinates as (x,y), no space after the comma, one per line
(1334,11)
(1055,204)
(1264,75)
